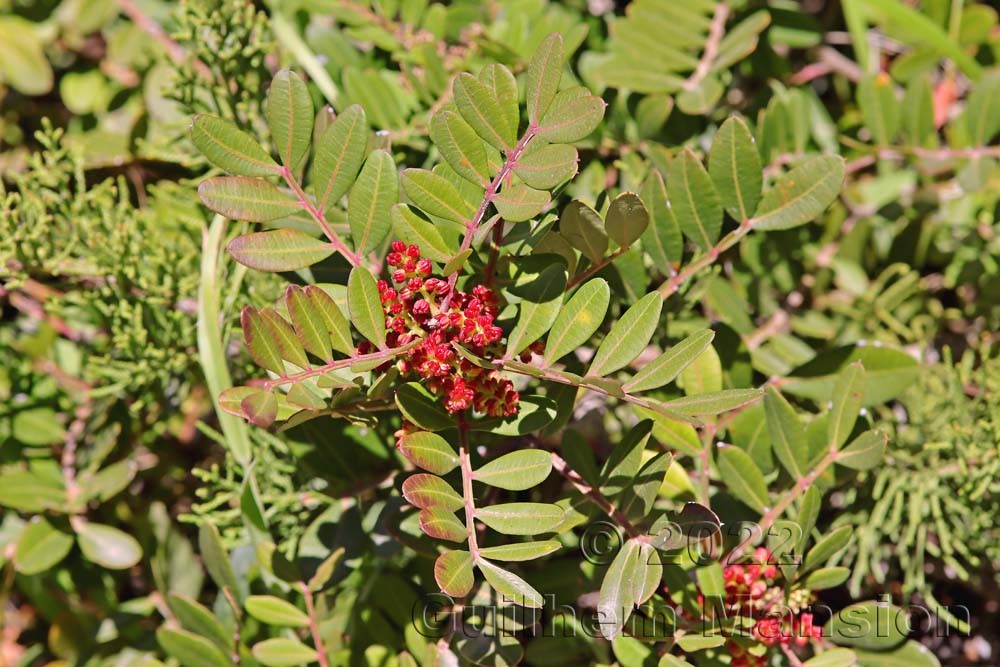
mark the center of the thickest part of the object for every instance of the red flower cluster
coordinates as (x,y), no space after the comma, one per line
(419,306)
(751,591)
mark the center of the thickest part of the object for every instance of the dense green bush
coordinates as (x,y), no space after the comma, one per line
(485,333)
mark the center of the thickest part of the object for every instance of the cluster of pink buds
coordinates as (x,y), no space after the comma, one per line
(419,306)
(751,591)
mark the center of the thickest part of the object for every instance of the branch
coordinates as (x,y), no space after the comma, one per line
(668,288)
(470,501)
(314,626)
(716,31)
(153,29)
(774,513)
(339,363)
(492,189)
(353,258)
(594,495)
(597,267)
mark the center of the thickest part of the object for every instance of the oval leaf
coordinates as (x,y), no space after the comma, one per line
(802,194)
(279,250)
(244,198)
(372,197)
(516,471)
(230,148)
(289,113)
(628,337)
(582,315)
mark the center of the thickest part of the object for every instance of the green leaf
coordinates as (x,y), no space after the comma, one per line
(289,113)
(40,547)
(442,524)
(501,83)
(325,570)
(743,477)
(107,546)
(262,347)
(541,301)
(802,194)
(911,654)
(431,492)
(428,451)
(982,110)
(666,367)
(453,573)
(230,148)
(788,439)
(279,250)
(694,201)
(544,73)
(23,63)
(412,229)
(494,650)
(196,618)
(481,110)
(734,165)
(275,611)
(582,315)
(868,625)
(510,585)
(244,198)
(547,166)
(711,580)
(647,482)
(865,452)
(436,195)
(365,306)
(520,202)
(310,325)
(336,323)
(713,403)
(617,595)
(703,375)
(190,650)
(918,113)
(827,577)
(372,197)
(281,332)
(216,559)
(573,114)
(583,227)
(833,657)
(848,396)
(516,471)
(521,551)
(28,491)
(621,467)
(662,239)
(521,518)
(282,652)
(879,107)
(340,153)
(38,427)
(419,406)
(627,219)
(628,337)
(460,146)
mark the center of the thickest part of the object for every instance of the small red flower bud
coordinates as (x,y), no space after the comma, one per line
(399,276)
(415,284)
(413,252)
(393,259)
(421,307)
(424,267)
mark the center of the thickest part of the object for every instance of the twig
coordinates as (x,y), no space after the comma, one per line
(716,31)
(597,267)
(317,215)
(772,514)
(314,626)
(153,29)
(594,495)
(668,288)
(470,501)
(334,365)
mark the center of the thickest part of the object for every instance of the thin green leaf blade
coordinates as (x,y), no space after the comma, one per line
(245,198)
(577,321)
(340,153)
(290,115)
(735,167)
(666,367)
(365,306)
(279,250)
(802,194)
(372,197)
(694,201)
(230,148)
(628,337)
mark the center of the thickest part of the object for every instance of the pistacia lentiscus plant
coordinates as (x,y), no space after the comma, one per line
(464,311)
